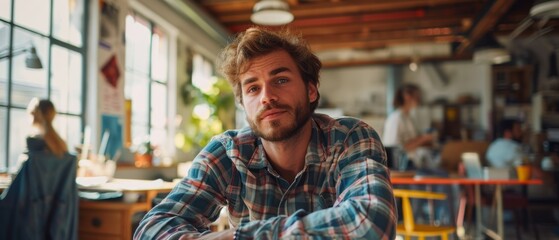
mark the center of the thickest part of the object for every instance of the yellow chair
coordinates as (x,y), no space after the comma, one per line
(409,229)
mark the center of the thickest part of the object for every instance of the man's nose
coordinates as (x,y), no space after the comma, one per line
(268,95)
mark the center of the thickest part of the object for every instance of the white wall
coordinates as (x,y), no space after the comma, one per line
(464,78)
(356,90)
(361,91)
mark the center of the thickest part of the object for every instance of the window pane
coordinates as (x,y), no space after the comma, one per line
(128,84)
(140,107)
(66,89)
(158,132)
(138,37)
(33,14)
(201,73)
(158,105)
(3,120)
(69,129)
(5,8)
(28,82)
(159,53)
(68,21)
(158,138)
(139,134)
(20,123)
(4,48)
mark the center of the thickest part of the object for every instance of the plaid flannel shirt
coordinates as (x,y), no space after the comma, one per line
(343,192)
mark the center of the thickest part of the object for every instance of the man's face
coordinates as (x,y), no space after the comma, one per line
(275,98)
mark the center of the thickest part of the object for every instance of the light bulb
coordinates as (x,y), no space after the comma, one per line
(413,66)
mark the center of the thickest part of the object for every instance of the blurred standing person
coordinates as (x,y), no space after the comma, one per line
(400,129)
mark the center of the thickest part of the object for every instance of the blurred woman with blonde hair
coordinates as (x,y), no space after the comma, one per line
(45,137)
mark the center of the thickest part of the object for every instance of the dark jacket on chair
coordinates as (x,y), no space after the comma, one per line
(42,200)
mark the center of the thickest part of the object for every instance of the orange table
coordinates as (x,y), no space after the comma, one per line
(498,183)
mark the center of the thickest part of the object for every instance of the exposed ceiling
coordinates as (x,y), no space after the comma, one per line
(355,32)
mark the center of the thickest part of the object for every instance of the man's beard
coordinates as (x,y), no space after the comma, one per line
(302,114)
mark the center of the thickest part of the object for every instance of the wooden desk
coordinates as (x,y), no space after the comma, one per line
(113,220)
(477,183)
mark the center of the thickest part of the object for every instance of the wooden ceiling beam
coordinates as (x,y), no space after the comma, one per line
(329,44)
(330,7)
(486,23)
(398,20)
(390,61)
(229,14)
(371,28)
(293,2)
(380,36)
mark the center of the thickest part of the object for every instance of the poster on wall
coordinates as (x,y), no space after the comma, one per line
(111,56)
(110,83)
(112,96)
(112,125)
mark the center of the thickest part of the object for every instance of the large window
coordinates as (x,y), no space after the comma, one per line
(54,30)
(146,83)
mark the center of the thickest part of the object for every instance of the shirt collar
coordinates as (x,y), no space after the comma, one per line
(315,150)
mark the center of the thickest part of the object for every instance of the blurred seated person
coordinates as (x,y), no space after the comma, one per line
(42,200)
(400,127)
(43,137)
(507,149)
(506,152)
(401,131)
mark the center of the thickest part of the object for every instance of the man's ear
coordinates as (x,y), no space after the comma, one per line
(313,92)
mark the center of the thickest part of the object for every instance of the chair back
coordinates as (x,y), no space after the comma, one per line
(42,200)
(451,153)
(407,211)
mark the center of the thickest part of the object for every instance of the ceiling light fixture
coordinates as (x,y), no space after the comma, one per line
(545,9)
(414,64)
(488,50)
(271,13)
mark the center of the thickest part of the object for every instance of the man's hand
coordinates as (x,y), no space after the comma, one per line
(223,235)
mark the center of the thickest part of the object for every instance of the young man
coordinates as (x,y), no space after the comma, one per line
(291,174)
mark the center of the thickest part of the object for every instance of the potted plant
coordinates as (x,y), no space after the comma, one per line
(144,155)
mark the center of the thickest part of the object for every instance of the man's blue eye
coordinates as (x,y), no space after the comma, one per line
(282,80)
(251,89)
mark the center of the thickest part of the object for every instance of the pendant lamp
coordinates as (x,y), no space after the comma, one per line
(271,13)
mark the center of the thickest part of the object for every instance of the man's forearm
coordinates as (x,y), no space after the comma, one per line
(366,211)
(222,235)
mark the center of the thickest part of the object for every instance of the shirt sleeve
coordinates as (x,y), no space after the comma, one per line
(390,132)
(364,209)
(193,203)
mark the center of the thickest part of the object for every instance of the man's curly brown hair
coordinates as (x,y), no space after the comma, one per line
(256,42)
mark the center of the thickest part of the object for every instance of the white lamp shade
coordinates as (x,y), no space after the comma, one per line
(271,13)
(545,9)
